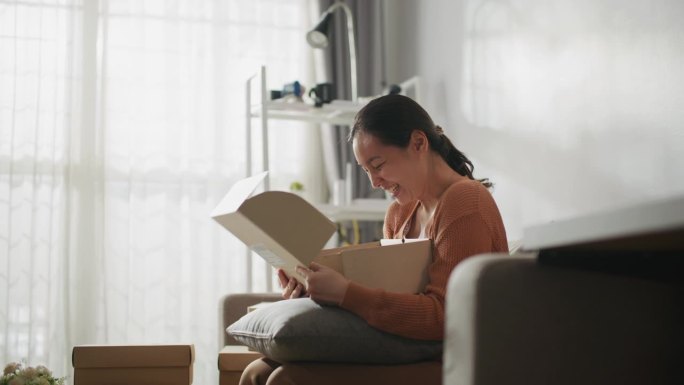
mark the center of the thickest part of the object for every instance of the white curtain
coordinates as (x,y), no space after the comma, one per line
(122,124)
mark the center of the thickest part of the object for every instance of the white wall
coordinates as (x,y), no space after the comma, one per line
(568,106)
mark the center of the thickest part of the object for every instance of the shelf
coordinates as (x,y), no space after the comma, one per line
(359,209)
(340,112)
(260,108)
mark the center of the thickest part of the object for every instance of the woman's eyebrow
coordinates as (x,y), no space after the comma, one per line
(367,162)
(373,158)
(379,162)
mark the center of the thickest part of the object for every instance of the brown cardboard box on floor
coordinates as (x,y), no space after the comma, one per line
(233,359)
(133,364)
(287,231)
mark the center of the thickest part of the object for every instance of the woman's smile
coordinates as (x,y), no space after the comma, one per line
(394,190)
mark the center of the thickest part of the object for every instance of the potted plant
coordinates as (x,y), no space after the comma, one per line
(15,373)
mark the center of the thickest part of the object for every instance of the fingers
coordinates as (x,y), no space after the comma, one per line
(283,278)
(293,289)
(313,266)
(324,284)
(288,287)
(304,272)
(297,292)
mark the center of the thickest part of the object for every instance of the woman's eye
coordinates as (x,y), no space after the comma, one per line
(378,167)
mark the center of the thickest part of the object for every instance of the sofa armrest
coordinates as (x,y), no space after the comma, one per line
(234,306)
(510,320)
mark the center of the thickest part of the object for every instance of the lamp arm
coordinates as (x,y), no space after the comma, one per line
(352,45)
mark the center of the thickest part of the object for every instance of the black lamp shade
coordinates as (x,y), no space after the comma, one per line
(318,37)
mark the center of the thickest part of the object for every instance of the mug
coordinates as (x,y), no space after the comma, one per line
(322,93)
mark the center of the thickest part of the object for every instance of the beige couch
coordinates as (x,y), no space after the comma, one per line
(512,320)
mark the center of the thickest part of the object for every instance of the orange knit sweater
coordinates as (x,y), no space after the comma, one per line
(466,222)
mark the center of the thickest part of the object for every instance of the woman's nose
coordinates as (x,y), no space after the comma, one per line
(375,180)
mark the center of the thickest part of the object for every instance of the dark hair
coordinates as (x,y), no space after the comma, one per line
(392,119)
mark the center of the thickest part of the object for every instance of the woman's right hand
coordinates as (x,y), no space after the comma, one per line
(291,287)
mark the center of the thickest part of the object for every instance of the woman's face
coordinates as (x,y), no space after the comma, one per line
(393,169)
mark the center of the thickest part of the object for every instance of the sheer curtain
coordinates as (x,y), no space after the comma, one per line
(39,103)
(121,127)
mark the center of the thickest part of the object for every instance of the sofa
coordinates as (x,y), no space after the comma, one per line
(514,320)
(518,320)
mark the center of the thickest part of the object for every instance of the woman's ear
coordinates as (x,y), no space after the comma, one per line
(419,141)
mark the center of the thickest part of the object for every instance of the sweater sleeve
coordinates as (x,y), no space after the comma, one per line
(421,316)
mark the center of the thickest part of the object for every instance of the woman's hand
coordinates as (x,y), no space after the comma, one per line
(324,284)
(291,287)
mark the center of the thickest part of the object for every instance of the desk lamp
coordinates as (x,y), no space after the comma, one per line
(318,38)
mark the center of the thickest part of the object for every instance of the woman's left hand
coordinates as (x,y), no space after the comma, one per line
(324,284)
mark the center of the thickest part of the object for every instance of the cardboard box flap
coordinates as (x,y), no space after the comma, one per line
(291,221)
(281,227)
(238,193)
(337,250)
(132,356)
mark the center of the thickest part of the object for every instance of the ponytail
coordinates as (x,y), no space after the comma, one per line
(455,158)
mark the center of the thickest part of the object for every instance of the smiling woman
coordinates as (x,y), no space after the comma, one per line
(120,129)
(436,197)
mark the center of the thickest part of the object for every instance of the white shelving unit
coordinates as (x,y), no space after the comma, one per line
(359,209)
(338,112)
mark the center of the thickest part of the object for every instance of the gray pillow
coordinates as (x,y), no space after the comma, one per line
(302,330)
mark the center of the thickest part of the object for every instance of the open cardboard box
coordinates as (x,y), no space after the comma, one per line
(287,232)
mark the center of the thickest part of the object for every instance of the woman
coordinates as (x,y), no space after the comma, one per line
(436,196)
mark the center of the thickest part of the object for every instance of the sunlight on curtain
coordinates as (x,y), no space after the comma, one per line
(172,115)
(38,42)
(108,176)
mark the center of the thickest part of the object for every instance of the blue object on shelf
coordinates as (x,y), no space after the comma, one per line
(294,88)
